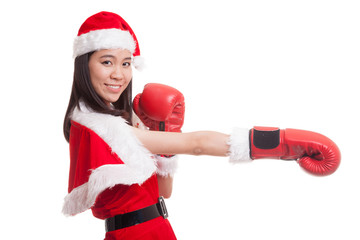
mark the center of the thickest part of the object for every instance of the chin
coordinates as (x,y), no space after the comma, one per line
(112,100)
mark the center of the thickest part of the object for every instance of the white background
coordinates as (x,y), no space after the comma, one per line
(239,63)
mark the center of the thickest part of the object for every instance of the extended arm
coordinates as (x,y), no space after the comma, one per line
(193,143)
(314,152)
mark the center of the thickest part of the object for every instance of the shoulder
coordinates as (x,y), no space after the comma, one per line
(116,133)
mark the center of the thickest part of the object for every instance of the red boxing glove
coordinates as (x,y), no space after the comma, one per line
(316,153)
(160,107)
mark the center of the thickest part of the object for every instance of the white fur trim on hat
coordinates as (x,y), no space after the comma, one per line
(239,150)
(103,39)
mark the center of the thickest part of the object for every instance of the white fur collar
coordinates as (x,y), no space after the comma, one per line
(138,166)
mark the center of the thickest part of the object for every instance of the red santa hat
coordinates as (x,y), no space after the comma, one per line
(107,30)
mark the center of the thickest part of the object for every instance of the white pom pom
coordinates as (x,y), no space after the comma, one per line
(139,63)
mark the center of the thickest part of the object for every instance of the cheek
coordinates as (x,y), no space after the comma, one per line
(129,76)
(93,76)
(94,81)
(97,76)
(97,83)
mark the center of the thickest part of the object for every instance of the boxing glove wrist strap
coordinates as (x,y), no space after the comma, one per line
(266,142)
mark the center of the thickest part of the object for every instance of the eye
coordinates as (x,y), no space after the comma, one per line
(126,64)
(107,62)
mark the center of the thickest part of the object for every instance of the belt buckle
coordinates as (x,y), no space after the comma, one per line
(162,209)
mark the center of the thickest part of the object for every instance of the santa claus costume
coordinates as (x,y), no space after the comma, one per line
(111,173)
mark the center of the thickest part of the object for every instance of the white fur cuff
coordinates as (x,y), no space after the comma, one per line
(239,150)
(166,165)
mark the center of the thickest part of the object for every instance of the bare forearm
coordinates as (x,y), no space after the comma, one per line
(165,186)
(193,143)
(211,143)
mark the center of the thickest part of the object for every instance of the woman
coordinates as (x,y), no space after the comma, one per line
(115,169)
(122,180)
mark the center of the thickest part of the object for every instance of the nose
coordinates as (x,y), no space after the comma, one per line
(117,73)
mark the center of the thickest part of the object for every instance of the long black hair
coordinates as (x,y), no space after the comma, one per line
(83,90)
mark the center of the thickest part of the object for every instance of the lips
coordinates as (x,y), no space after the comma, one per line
(113,88)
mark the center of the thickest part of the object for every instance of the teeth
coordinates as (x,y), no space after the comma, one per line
(112,86)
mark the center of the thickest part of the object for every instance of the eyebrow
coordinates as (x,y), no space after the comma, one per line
(106,56)
(112,56)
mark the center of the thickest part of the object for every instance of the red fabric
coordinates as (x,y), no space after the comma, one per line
(122,199)
(87,152)
(107,20)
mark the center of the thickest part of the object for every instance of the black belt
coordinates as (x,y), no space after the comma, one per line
(136,217)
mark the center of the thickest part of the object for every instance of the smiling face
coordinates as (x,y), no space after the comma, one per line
(110,73)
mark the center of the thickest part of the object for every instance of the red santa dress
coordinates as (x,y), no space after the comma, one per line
(112,173)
